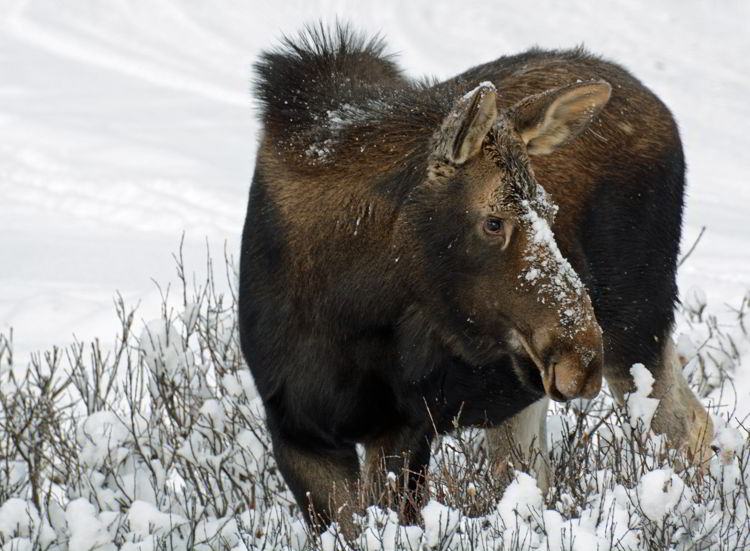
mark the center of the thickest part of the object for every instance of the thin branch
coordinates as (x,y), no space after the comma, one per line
(692,248)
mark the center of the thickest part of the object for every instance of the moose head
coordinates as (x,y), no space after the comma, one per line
(494,266)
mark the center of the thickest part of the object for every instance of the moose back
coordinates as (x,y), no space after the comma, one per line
(418,255)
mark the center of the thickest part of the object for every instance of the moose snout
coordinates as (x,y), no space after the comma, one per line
(570,368)
(573,374)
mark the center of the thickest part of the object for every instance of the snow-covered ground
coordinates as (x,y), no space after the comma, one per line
(124,124)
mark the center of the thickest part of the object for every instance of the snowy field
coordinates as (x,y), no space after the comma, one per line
(127,124)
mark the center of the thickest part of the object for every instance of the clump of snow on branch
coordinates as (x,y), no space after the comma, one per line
(640,406)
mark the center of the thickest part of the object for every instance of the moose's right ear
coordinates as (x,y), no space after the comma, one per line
(465,127)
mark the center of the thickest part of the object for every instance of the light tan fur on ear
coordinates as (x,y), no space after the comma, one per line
(465,127)
(553,118)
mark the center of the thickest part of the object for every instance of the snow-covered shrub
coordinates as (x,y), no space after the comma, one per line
(158,442)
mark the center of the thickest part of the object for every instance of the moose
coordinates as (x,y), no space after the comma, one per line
(421,255)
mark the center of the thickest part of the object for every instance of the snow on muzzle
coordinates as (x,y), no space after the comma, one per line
(566,340)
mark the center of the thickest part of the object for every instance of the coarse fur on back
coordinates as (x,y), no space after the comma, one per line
(328,96)
(333,95)
(420,254)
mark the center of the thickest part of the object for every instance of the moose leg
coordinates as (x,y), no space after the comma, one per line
(522,439)
(323,481)
(680,415)
(406,454)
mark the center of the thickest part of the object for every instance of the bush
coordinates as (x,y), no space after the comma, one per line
(158,442)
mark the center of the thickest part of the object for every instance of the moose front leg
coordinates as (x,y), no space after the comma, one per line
(680,415)
(323,480)
(522,440)
(406,454)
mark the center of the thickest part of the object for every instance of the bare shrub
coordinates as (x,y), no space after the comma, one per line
(158,441)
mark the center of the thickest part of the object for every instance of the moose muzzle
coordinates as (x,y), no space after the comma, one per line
(570,368)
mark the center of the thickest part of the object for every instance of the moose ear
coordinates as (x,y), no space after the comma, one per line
(465,127)
(553,118)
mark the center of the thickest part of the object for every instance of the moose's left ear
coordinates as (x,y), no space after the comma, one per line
(553,118)
(465,127)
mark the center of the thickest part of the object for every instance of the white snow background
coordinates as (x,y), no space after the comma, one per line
(126,123)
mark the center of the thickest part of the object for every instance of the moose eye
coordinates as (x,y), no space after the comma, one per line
(494,226)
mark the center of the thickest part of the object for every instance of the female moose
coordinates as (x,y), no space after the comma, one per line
(419,253)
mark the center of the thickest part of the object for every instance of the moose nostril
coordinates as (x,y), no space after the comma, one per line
(551,382)
(551,357)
